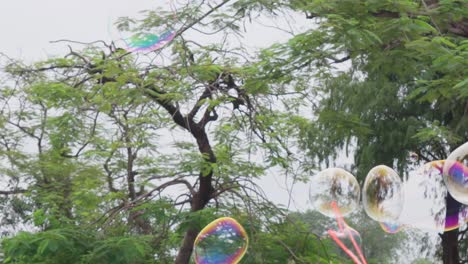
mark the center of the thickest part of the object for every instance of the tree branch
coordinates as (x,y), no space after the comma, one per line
(16,191)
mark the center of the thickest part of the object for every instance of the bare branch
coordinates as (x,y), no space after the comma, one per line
(10,192)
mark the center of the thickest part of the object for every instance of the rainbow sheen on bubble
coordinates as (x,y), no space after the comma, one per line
(391,228)
(222,241)
(456,219)
(334,185)
(383,194)
(456,174)
(149,42)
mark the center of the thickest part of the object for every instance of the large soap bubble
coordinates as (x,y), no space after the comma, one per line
(382,194)
(222,241)
(334,185)
(425,193)
(456,174)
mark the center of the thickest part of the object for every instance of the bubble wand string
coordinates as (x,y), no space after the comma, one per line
(341,225)
(335,238)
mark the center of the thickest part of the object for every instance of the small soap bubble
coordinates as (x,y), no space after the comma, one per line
(456,174)
(382,194)
(334,185)
(222,241)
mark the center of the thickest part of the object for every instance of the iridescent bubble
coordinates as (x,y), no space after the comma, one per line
(222,241)
(456,174)
(456,219)
(424,207)
(382,194)
(148,41)
(334,185)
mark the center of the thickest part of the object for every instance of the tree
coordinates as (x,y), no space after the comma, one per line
(405,89)
(82,148)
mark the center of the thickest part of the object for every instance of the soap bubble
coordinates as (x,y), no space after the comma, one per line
(382,194)
(148,41)
(425,206)
(456,219)
(425,192)
(456,174)
(334,185)
(222,241)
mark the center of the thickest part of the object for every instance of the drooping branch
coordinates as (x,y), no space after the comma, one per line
(459,28)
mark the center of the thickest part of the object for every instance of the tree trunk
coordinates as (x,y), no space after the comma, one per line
(199,199)
(450,238)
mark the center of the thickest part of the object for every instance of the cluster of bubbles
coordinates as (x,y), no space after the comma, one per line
(222,241)
(419,202)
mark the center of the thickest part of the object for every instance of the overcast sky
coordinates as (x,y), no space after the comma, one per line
(28,26)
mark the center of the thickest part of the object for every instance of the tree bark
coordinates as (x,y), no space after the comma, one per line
(450,238)
(200,198)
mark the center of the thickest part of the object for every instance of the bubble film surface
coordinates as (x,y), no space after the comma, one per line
(456,174)
(334,185)
(425,192)
(222,241)
(383,195)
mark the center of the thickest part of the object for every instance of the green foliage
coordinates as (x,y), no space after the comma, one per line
(55,246)
(75,246)
(405,89)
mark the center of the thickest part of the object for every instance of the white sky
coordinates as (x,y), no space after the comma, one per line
(27,26)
